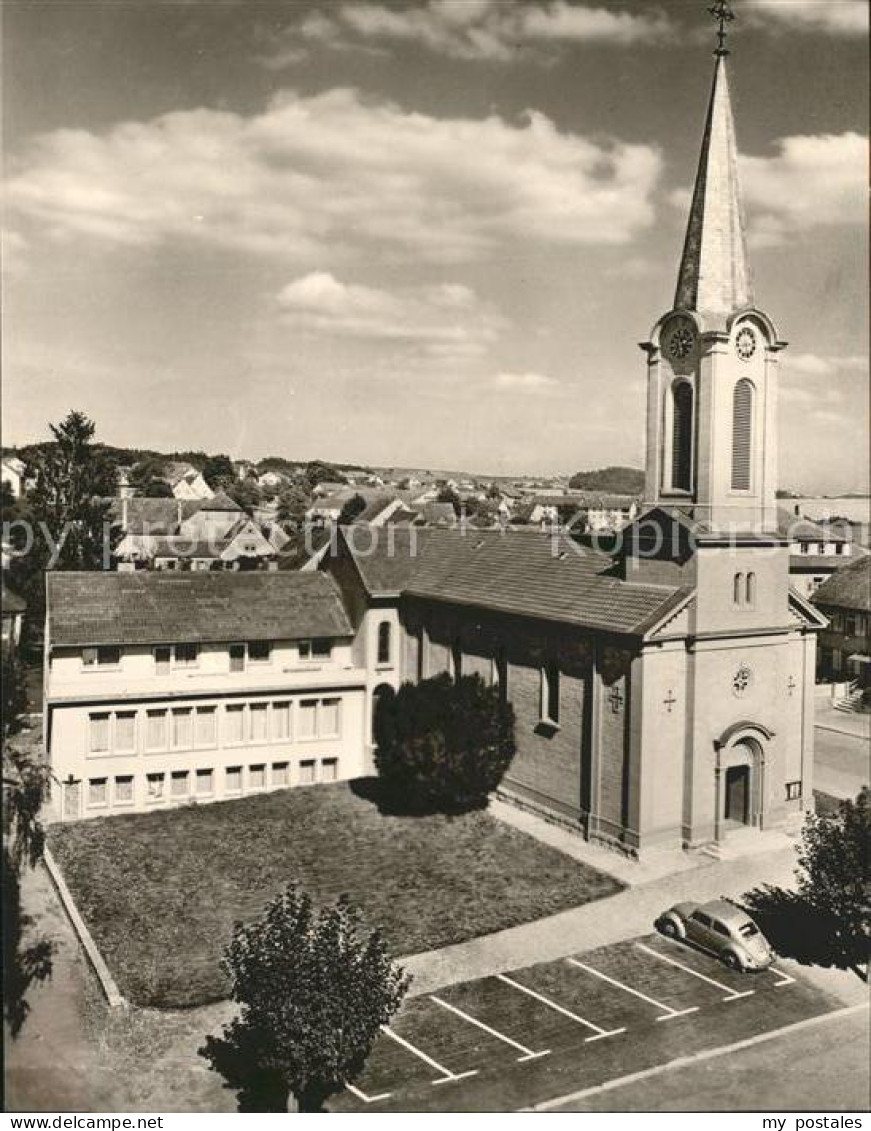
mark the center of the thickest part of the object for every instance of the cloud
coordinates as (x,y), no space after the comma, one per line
(834,17)
(533,383)
(812,365)
(443,321)
(490,30)
(810,181)
(337,173)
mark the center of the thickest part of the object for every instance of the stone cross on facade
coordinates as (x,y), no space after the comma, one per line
(669,700)
(615,697)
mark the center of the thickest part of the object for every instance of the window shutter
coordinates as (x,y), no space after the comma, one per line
(742,431)
(682,437)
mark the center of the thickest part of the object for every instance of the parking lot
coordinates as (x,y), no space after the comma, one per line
(515,1039)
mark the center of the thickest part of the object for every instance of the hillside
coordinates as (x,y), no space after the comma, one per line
(615,480)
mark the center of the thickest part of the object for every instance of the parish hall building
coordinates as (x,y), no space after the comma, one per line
(663,690)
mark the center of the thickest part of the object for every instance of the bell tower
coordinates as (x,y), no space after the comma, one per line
(712,360)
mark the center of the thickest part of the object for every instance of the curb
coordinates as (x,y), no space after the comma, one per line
(113,995)
(840,730)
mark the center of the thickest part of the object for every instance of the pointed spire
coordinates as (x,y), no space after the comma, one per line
(714,277)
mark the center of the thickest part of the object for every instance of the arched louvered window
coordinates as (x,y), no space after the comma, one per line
(682,436)
(751,589)
(738,589)
(742,434)
(384,642)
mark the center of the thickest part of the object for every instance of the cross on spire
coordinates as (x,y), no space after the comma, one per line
(724,15)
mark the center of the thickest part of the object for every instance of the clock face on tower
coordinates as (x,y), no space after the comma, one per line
(679,341)
(745,343)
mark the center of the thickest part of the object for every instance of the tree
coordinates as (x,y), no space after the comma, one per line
(157,489)
(65,524)
(833,877)
(147,471)
(352,508)
(246,493)
(612,480)
(293,502)
(314,992)
(218,472)
(13,694)
(319,472)
(443,744)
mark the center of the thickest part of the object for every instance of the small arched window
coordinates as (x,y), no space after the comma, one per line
(742,434)
(738,589)
(682,436)
(750,589)
(384,642)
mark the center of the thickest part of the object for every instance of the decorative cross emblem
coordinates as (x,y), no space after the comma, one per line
(616,699)
(723,15)
(791,684)
(669,700)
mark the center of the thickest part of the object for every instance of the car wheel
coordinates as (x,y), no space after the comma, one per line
(669,928)
(731,961)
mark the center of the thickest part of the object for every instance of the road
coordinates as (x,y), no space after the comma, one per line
(820,1068)
(842,762)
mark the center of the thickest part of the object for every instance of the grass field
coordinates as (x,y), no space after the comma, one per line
(161,891)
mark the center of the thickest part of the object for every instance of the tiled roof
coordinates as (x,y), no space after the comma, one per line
(153,516)
(848,588)
(161,608)
(520,572)
(799,529)
(533,574)
(174,472)
(220,502)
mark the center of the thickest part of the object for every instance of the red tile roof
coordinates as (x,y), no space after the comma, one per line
(160,608)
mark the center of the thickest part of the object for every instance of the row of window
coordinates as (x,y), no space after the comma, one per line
(198,728)
(744,590)
(549,681)
(170,657)
(179,785)
(851,624)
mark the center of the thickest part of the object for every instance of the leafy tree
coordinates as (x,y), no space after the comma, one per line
(218,472)
(616,480)
(314,992)
(443,744)
(293,502)
(319,472)
(246,493)
(157,489)
(13,694)
(147,471)
(833,877)
(65,521)
(352,508)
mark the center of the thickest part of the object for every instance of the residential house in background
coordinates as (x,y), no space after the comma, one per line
(845,643)
(166,689)
(186,482)
(200,534)
(816,551)
(13,471)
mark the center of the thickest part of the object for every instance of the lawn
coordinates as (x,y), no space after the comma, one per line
(161,891)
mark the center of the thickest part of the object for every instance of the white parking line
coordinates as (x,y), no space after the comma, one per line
(600,1033)
(367,1099)
(785,979)
(732,995)
(669,1012)
(528,1053)
(447,1075)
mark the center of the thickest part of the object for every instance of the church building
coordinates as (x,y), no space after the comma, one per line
(663,691)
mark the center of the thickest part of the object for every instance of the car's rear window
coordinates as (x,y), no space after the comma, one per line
(748,930)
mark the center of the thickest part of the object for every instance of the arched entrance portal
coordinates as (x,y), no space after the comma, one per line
(739,778)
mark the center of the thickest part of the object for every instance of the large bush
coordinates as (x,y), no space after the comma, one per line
(441,744)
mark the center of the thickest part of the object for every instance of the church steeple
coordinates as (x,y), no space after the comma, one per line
(714,278)
(712,359)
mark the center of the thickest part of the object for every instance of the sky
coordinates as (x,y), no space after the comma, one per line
(416,234)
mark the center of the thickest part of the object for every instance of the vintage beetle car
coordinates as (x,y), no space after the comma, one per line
(722,929)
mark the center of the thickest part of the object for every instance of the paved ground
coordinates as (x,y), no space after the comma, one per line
(516,1040)
(846,722)
(818,1067)
(842,762)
